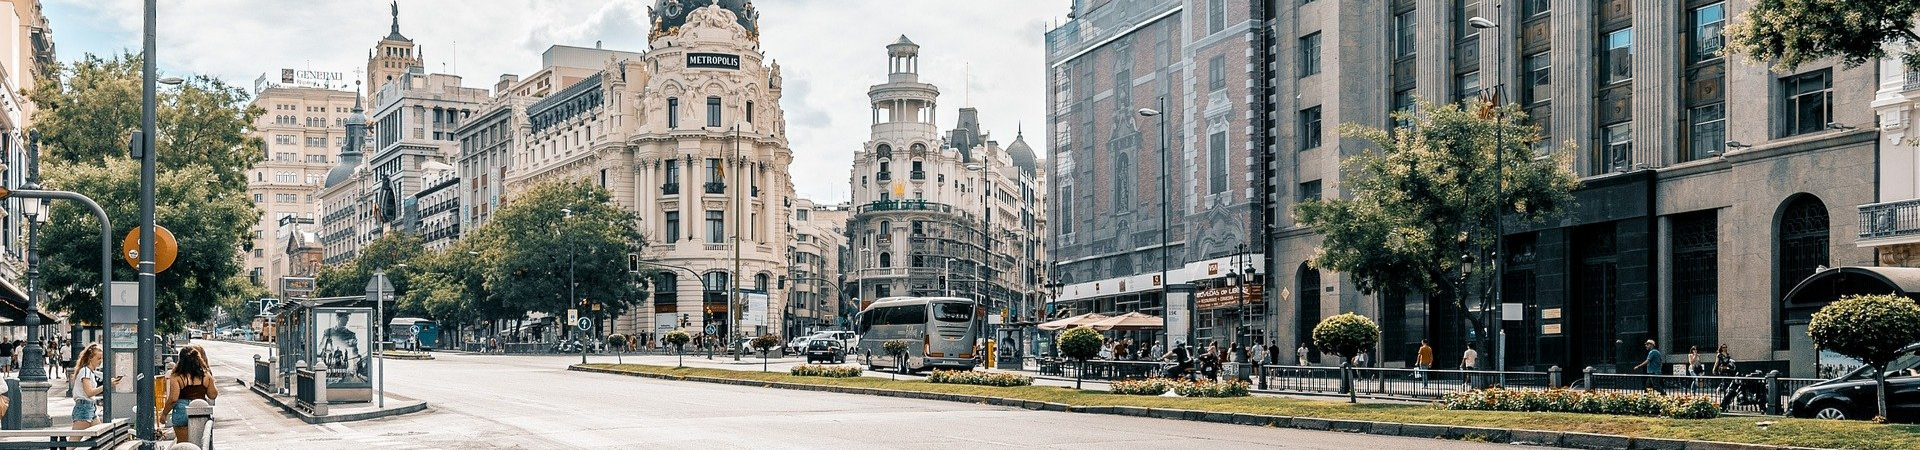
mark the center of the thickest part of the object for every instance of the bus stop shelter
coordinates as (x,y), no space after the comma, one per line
(334,331)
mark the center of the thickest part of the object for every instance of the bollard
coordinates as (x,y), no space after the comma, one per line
(13,418)
(1773,392)
(1553,377)
(199,423)
(1589,377)
(1263,375)
(320,389)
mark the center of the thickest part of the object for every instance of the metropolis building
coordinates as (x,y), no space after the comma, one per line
(944,215)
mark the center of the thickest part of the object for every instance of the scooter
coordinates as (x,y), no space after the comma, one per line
(569,346)
(1749,390)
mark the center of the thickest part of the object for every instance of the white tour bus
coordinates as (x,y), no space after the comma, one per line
(941,328)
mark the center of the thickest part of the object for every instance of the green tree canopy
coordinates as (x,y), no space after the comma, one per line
(209,224)
(1346,334)
(1789,33)
(1425,197)
(1080,343)
(1870,328)
(90,114)
(387,253)
(531,244)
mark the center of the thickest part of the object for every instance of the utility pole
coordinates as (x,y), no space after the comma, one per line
(144,356)
(738,302)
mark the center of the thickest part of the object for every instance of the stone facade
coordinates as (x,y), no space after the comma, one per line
(1708,184)
(29,58)
(300,130)
(817,251)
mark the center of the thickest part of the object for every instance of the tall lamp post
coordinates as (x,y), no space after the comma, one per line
(1491,320)
(736,302)
(572,286)
(986,238)
(1165,208)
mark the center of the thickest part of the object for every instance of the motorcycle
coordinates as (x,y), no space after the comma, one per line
(1749,390)
(569,346)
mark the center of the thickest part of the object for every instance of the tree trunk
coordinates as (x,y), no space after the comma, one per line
(1880,387)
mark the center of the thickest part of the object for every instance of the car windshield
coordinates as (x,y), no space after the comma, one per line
(819,345)
(1906,362)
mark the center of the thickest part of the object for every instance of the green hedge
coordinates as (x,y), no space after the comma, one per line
(979,378)
(1203,388)
(812,370)
(1589,402)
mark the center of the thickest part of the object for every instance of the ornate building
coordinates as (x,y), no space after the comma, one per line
(917,227)
(301,127)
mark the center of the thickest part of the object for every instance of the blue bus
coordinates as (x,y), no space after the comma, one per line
(414,333)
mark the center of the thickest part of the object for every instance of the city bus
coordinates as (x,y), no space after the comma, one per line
(414,333)
(941,330)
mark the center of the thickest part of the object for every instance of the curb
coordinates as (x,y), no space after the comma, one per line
(417,406)
(1588,441)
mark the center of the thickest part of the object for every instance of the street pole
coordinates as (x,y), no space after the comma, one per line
(572,285)
(380,334)
(1491,320)
(736,302)
(144,357)
(1166,306)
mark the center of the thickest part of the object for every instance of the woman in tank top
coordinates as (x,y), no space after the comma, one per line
(191,380)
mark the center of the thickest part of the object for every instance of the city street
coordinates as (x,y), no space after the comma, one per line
(532,402)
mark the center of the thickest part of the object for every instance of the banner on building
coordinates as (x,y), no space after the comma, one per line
(756,313)
(1224,297)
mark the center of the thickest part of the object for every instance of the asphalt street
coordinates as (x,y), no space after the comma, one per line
(533,402)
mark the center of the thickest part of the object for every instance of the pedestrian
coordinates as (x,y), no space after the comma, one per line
(192,379)
(1652,365)
(1158,351)
(86,386)
(1301,353)
(1257,355)
(6,357)
(1422,362)
(1694,368)
(1273,352)
(1723,364)
(1468,361)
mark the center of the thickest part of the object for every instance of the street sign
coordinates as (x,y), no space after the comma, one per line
(378,285)
(165,248)
(586,323)
(573,315)
(711,329)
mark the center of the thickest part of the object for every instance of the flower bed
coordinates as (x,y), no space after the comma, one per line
(812,370)
(979,378)
(1203,388)
(1562,400)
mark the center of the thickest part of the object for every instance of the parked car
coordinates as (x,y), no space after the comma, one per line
(799,344)
(826,350)
(1851,396)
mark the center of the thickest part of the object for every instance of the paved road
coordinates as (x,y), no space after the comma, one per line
(532,402)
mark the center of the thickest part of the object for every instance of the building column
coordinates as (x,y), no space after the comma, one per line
(1656,71)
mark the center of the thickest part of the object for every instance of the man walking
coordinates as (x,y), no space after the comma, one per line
(1469,360)
(1652,364)
(1423,362)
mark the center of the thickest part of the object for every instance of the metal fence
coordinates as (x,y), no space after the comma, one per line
(1745,395)
(100,436)
(1391,382)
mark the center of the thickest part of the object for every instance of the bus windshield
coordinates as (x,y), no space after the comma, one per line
(952,312)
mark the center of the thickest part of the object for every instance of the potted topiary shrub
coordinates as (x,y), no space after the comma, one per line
(1080,343)
(1346,335)
(618,342)
(764,343)
(679,339)
(1870,328)
(897,348)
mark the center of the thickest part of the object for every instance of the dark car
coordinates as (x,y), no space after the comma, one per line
(825,350)
(1851,396)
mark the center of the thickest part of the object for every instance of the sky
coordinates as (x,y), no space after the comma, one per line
(830,51)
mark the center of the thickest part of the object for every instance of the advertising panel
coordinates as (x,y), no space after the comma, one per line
(341,335)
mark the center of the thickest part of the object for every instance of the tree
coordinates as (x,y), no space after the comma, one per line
(1346,335)
(1080,343)
(763,344)
(1870,328)
(1423,199)
(619,343)
(1790,33)
(678,339)
(85,118)
(531,244)
(898,349)
(385,253)
(210,227)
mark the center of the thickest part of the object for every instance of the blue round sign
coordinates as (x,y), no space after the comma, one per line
(586,323)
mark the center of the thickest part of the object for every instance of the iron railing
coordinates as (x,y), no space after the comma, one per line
(101,436)
(1890,219)
(1723,390)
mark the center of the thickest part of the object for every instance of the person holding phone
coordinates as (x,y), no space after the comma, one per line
(86,386)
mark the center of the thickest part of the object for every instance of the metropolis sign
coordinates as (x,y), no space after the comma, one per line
(713,61)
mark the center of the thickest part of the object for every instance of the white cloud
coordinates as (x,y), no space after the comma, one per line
(831,51)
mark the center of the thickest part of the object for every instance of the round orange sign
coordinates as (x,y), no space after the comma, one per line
(165,248)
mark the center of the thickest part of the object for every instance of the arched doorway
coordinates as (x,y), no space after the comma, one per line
(1802,236)
(1308,314)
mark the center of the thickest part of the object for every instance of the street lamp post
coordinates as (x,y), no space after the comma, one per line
(572,285)
(1491,321)
(981,288)
(1165,208)
(736,301)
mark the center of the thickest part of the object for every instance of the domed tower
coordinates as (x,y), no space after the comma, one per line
(1023,157)
(669,15)
(350,152)
(392,56)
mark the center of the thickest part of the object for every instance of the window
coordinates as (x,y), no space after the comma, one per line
(1616,64)
(1403,39)
(1616,151)
(1537,78)
(1402,103)
(1708,134)
(760,282)
(1309,191)
(259,198)
(1310,55)
(1308,313)
(1708,21)
(886,260)
(1466,85)
(673,113)
(918,173)
(286,177)
(1803,234)
(1530,8)
(1464,9)
(1216,16)
(749,112)
(673,227)
(713,112)
(1310,128)
(1808,106)
(673,171)
(1217,73)
(666,290)
(1217,162)
(715,174)
(716,227)
(1696,280)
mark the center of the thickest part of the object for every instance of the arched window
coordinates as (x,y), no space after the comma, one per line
(716,282)
(883,151)
(666,292)
(1803,247)
(1309,313)
(760,282)
(886,260)
(918,149)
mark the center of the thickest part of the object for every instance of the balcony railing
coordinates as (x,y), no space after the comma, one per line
(1912,82)
(670,189)
(715,187)
(883,176)
(1890,220)
(903,205)
(919,175)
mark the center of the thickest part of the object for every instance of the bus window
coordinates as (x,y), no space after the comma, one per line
(952,312)
(906,315)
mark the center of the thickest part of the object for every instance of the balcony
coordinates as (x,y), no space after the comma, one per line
(883,176)
(1890,223)
(1912,82)
(903,205)
(670,189)
(715,187)
(919,175)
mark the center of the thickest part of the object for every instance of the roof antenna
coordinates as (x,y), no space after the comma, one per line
(966,84)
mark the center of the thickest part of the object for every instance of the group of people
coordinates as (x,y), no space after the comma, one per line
(54,354)
(1216,362)
(190,378)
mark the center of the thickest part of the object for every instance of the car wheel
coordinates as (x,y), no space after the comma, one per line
(1829,411)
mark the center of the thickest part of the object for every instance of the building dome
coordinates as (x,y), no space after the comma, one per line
(340,172)
(350,152)
(668,15)
(1022,155)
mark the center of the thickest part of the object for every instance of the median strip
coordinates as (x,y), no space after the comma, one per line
(1568,430)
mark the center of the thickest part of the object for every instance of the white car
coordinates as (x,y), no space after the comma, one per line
(798,345)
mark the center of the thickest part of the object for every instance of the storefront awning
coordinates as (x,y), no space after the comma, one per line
(13,306)
(1831,284)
